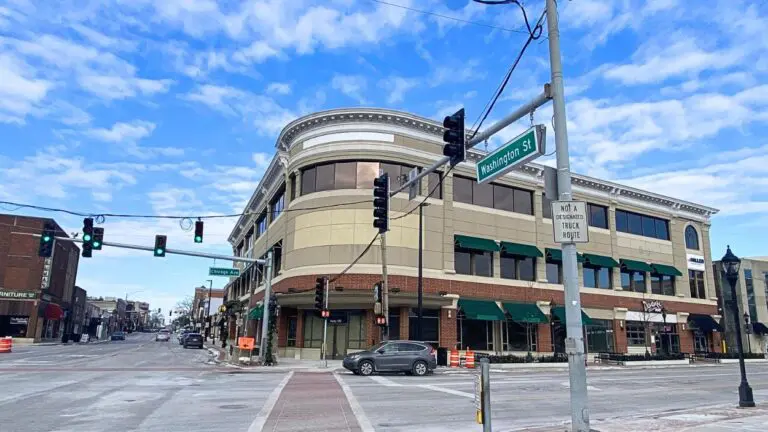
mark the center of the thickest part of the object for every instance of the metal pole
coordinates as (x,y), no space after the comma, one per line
(325,324)
(385,285)
(574,343)
(745,391)
(265,313)
(208,311)
(485,378)
(420,298)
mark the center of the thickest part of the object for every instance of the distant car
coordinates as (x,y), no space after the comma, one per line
(194,340)
(182,335)
(411,357)
(118,335)
(163,336)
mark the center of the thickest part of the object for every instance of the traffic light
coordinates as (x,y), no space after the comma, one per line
(272,308)
(160,245)
(377,297)
(199,231)
(87,237)
(325,313)
(98,238)
(46,241)
(320,294)
(381,320)
(454,137)
(381,203)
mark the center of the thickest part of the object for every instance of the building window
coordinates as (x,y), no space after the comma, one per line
(261,224)
(633,280)
(278,204)
(308,180)
(434,185)
(430,325)
(518,267)
(635,333)
(325,177)
(277,258)
(292,324)
(642,225)
(351,175)
(356,329)
(599,336)
(492,195)
(473,262)
(474,334)
(546,207)
(554,271)
(662,284)
(521,336)
(691,238)
(313,330)
(597,277)
(598,216)
(696,280)
(751,300)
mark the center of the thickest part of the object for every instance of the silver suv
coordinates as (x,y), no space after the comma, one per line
(411,357)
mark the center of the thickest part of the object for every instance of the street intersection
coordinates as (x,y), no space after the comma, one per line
(143,385)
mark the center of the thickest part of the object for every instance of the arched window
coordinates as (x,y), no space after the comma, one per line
(691,238)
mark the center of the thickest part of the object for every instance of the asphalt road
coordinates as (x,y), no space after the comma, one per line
(143,385)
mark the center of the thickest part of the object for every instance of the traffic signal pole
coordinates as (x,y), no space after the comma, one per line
(265,314)
(574,342)
(325,323)
(384,286)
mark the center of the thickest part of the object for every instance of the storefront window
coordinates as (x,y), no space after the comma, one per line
(430,325)
(521,336)
(475,334)
(357,335)
(394,324)
(636,333)
(700,344)
(600,336)
(291,339)
(313,330)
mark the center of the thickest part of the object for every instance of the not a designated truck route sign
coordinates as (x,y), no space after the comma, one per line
(569,221)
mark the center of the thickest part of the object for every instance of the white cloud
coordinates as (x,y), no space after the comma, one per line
(102,196)
(352,86)
(21,92)
(279,88)
(256,52)
(396,87)
(121,132)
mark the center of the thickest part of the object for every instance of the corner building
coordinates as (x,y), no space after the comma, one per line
(492,273)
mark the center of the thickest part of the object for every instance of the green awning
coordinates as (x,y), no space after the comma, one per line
(666,270)
(485,310)
(559,312)
(476,243)
(525,313)
(600,260)
(256,312)
(521,249)
(557,255)
(633,265)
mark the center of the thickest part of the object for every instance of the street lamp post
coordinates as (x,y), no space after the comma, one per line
(731,264)
(748,331)
(208,308)
(664,330)
(420,289)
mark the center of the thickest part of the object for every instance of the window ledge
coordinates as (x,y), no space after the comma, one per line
(494,211)
(640,237)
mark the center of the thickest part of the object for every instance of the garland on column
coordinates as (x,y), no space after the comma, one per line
(271,329)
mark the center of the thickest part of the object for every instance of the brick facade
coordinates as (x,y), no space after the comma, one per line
(300,329)
(544,338)
(619,336)
(404,326)
(686,339)
(448,336)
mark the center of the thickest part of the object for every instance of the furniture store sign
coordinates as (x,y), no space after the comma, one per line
(695,262)
(17,295)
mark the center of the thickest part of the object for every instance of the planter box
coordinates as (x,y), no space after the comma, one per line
(731,361)
(655,363)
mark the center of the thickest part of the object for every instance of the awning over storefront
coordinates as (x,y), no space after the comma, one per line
(704,323)
(633,265)
(559,312)
(485,310)
(256,312)
(525,313)
(476,243)
(521,249)
(600,260)
(53,312)
(666,270)
(557,255)
(759,328)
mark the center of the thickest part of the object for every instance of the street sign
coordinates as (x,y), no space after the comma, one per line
(413,188)
(223,271)
(526,147)
(569,221)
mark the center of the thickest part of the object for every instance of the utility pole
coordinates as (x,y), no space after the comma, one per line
(420,295)
(208,309)
(265,313)
(385,285)
(574,343)
(325,322)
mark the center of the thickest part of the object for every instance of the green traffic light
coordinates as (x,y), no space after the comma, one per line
(86,237)
(96,244)
(46,238)
(158,251)
(198,239)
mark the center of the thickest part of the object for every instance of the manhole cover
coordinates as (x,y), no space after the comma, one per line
(233,406)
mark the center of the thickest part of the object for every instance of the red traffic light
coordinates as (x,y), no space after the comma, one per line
(325,313)
(381,320)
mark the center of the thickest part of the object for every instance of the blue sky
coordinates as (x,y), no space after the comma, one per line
(173,107)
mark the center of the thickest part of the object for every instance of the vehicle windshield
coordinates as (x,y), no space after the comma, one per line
(377,346)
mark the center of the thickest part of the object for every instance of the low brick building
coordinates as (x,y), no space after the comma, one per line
(35,293)
(492,272)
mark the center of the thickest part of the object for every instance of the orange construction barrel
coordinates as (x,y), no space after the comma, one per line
(6,344)
(454,359)
(470,361)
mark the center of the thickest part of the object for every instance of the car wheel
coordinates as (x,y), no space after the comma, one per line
(420,368)
(365,368)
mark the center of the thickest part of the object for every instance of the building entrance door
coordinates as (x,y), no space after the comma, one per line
(338,341)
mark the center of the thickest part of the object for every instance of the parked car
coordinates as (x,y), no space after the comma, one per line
(411,357)
(182,335)
(194,340)
(163,336)
(118,335)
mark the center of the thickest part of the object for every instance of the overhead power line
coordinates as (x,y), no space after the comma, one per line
(359,257)
(442,178)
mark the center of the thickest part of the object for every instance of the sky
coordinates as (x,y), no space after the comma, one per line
(173,107)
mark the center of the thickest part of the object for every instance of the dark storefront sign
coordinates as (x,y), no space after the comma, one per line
(17,295)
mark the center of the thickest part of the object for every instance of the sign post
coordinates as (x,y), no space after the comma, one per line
(524,148)
(569,221)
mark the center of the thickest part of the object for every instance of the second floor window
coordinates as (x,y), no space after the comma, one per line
(648,226)
(473,262)
(491,195)
(696,280)
(597,215)
(632,280)
(261,224)
(356,175)
(662,284)
(597,277)
(518,267)
(277,205)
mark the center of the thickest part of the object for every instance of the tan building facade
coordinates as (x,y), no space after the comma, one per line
(492,273)
(752,299)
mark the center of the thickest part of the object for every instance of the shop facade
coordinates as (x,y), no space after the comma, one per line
(492,272)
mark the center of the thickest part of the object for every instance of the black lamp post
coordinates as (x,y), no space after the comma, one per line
(420,288)
(731,264)
(664,330)
(748,331)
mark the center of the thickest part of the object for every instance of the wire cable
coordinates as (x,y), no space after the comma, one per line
(426,197)
(359,257)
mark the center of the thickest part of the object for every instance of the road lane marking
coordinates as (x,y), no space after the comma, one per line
(589,387)
(385,381)
(354,405)
(261,418)
(447,390)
